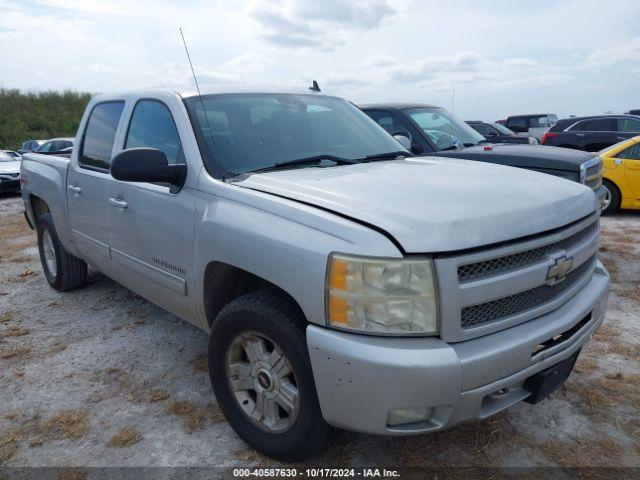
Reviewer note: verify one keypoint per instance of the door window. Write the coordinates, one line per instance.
(518, 122)
(630, 153)
(596, 125)
(629, 125)
(390, 122)
(483, 129)
(97, 143)
(152, 126)
(539, 122)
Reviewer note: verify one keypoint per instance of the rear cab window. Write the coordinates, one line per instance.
(99, 135)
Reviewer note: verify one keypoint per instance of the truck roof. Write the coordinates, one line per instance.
(187, 91)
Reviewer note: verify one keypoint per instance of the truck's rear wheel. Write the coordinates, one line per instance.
(261, 375)
(62, 270)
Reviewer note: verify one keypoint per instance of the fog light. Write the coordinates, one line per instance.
(404, 416)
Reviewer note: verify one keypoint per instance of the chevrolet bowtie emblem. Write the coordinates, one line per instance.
(559, 270)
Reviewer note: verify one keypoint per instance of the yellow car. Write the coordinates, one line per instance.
(621, 175)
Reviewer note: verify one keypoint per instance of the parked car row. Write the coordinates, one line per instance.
(346, 278)
(52, 146)
(430, 130)
(10, 160)
(590, 133)
(9, 172)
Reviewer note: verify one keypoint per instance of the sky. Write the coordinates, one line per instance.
(500, 57)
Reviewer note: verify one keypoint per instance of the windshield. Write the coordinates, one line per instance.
(6, 158)
(444, 130)
(502, 129)
(241, 133)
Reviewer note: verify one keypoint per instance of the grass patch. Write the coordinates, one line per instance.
(200, 363)
(15, 332)
(584, 451)
(158, 396)
(126, 437)
(194, 416)
(13, 351)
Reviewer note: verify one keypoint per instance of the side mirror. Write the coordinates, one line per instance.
(416, 148)
(403, 140)
(147, 165)
(492, 134)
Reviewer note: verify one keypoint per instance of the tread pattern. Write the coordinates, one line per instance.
(286, 310)
(72, 271)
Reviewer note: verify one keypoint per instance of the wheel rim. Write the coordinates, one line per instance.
(607, 198)
(262, 382)
(49, 253)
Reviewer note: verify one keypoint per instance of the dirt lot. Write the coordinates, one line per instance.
(100, 377)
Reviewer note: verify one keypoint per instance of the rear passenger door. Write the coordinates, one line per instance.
(88, 180)
(594, 134)
(152, 225)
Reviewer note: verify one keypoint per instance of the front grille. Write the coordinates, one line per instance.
(507, 263)
(593, 173)
(520, 302)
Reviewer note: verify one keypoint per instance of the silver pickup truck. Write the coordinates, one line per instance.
(343, 282)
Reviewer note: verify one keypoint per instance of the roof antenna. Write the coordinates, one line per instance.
(195, 79)
(315, 87)
(453, 94)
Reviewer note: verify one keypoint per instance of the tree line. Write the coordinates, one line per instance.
(39, 115)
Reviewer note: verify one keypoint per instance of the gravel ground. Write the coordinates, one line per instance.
(101, 377)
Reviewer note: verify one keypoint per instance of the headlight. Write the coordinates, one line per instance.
(385, 296)
(585, 166)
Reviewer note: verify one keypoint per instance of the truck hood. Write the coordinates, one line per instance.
(9, 167)
(524, 156)
(430, 204)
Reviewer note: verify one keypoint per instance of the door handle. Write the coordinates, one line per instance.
(75, 189)
(116, 202)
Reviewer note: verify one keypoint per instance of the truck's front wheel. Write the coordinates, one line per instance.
(62, 270)
(262, 378)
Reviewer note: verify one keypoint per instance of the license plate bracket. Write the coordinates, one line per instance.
(544, 383)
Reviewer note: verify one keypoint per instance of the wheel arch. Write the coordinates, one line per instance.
(223, 283)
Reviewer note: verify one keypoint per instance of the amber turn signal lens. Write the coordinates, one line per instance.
(338, 309)
(338, 280)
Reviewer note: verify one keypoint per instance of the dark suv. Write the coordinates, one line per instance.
(592, 133)
(431, 130)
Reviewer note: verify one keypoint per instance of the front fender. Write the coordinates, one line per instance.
(279, 240)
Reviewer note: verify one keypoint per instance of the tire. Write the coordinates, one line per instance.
(613, 193)
(62, 270)
(272, 318)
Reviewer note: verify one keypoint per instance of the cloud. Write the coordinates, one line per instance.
(100, 68)
(320, 25)
(467, 68)
(610, 56)
(241, 68)
(92, 6)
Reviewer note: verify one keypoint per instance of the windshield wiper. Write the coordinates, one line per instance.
(386, 156)
(312, 159)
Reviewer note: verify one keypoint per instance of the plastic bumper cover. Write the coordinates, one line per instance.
(360, 378)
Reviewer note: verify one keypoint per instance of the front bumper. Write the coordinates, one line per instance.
(600, 193)
(9, 185)
(360, 378)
